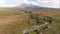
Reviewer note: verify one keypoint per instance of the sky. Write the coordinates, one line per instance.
(43, 3)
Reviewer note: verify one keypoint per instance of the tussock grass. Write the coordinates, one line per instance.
(14, 22)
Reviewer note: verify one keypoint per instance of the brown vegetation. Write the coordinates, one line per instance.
(14, 21)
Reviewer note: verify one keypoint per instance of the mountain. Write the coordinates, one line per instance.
(29, 6)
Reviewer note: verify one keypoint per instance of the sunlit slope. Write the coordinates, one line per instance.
(14, 21)
(8, 16)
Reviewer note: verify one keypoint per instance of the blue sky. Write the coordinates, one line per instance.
(43, 3)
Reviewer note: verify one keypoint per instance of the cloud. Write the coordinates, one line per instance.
(46, 3)
(43, 3)
(49, 3)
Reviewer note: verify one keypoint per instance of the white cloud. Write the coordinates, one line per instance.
(44, 3)
(49, 3)
(9, 3)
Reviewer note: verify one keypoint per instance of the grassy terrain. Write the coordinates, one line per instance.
(15, 21)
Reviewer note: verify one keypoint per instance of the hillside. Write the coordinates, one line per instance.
(14, 21)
